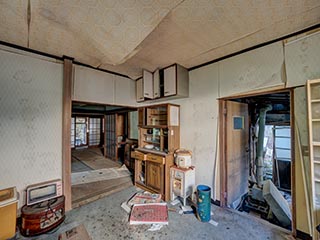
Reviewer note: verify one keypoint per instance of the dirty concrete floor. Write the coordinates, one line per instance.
(105, 219)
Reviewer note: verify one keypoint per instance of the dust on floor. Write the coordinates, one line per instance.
(105, 219)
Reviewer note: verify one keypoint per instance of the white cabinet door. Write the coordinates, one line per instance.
(156, 84)
(170, 83)
(139, 90)
(147, 84)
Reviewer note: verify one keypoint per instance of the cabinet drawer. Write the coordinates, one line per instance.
(155, 158)
(139, 155)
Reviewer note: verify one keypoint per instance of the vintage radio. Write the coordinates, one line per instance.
(42, 217)
(43, 191)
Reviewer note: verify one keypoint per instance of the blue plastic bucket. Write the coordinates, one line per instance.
(204, 203)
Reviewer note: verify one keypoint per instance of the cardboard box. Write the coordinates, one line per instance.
(76, 233)
(8, 212)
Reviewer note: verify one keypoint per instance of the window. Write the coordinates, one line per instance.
(81, 131)
(238, 123)
(72, 131)
(94, 131)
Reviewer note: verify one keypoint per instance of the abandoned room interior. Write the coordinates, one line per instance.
(153, 119)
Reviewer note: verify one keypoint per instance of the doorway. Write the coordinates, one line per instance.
(257, 158)
(100, 141)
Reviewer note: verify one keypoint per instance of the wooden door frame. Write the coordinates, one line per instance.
(66, 130)
(223, 149)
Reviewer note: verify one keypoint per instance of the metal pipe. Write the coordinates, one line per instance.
(259, 157)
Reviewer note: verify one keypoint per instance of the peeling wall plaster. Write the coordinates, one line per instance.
(302, 59)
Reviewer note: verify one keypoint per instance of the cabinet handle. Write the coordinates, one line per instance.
(146, 94)
(141, 98)
(166, 92)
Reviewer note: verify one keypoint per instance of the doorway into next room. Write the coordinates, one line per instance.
(102, 138)
(258, 156)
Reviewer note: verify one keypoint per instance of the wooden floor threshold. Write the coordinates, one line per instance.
(120, 185)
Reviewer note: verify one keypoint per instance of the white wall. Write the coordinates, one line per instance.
(253, 70)
(30, 121)
(199, 119)
(95, 86)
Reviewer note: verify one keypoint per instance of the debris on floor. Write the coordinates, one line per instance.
(186, 210)
(155, 227)
(126, 207)
(75, 233)
(149, 213)
(141, 198)
(144, 197)
(175, 202)
(214, 223)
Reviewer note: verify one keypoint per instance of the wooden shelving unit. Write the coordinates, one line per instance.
(313, 88)
(159, 137)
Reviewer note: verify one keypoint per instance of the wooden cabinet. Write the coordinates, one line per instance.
(155, 176)
(170, 85)
(159, 137)
(176, 81)
(147, 84)
(139, 90)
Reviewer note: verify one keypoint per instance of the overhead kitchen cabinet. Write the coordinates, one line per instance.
(156, 84)
(176, 81)
(172, 81)
(139, 90)
(147, 84)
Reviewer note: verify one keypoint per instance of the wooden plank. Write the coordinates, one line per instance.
(278, 205)
(86, 193)
(223, 146)
(293, 166)
(66, 131)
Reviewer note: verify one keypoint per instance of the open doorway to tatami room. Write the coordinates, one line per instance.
(257, 156)
(102, 137)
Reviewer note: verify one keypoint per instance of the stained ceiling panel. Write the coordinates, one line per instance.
(94, 32)
(13, 22)
(127, 36)
(198, 31)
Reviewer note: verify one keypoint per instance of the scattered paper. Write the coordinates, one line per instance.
(145, 197)
(214, 223)
(175, 202)
(187, 209)
(211, 213)
(125, 207)
(155, 227)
